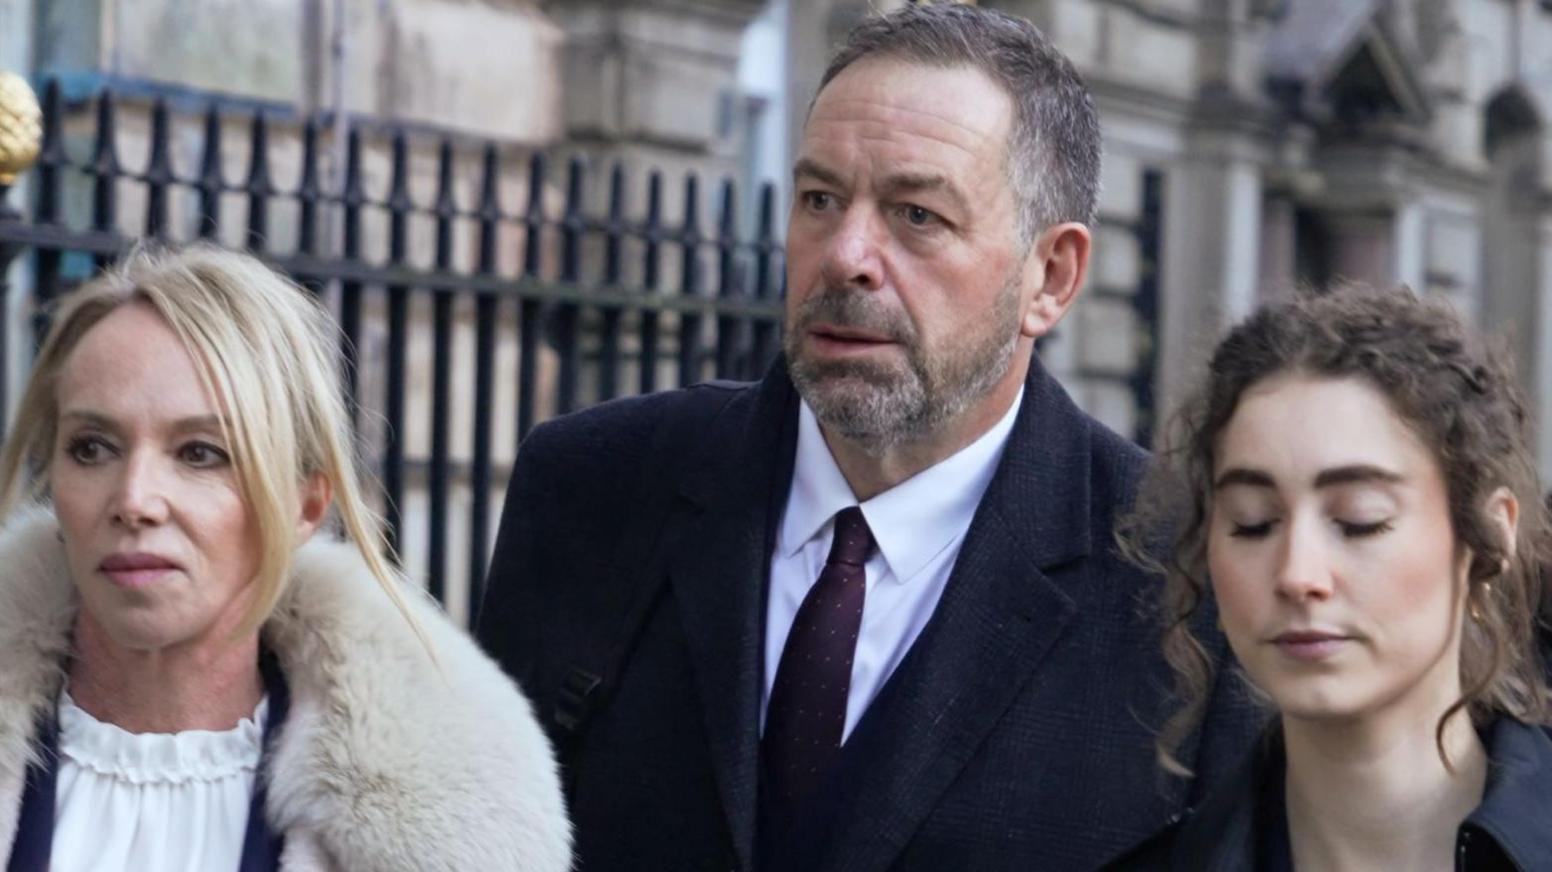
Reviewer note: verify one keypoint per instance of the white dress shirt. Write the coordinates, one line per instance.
(919, 526)
(152, 802)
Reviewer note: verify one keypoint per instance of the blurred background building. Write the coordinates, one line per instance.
(1252, 147)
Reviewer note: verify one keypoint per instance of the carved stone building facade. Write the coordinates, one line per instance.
(1300, 142)
(1305, 141)
(1287, 141)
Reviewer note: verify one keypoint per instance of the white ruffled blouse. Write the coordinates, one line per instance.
(152, 802)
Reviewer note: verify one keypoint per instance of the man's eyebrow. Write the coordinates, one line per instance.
(1357, 473)
(813, 169)
(911, 183)
(893, 186)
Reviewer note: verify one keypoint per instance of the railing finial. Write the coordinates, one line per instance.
(21, 127)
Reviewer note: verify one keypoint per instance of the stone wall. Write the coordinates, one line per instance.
(1270, 186)
(483, 69)
(1264, 187)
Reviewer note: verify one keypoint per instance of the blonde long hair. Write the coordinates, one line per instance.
(267, 353)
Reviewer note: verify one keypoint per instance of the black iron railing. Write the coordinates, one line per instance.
(585, 294)
(1142, 299)
(606, 300)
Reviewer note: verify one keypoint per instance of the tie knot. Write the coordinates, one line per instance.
(853, 540)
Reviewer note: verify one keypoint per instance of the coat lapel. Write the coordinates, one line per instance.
(723, 528)
(999, 615)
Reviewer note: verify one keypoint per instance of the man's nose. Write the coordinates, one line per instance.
(141, 498)
(853, 251)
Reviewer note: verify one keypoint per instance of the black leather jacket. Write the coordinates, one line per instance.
(1242, 825)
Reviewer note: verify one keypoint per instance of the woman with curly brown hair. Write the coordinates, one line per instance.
(1364, 520)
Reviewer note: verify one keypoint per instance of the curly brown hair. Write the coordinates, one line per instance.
(1453, 390)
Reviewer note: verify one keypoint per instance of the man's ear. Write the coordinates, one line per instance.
(317, 493)
(1057, 264)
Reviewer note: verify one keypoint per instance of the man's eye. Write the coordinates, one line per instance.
(202, 454)
(817, 200)
(918, 217)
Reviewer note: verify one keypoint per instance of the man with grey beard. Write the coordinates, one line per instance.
(867, 613)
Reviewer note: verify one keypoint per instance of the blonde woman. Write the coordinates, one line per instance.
(197, 674)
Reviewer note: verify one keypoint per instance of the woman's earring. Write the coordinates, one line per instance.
(1473, 608)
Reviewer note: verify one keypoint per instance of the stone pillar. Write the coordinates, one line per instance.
(1213, 229)
(1529, 52)
(444, 63)
(488, 69)
(1279, 241)
(654, 82)
(1231, 36)
(1362, 245)
(1373, 209)
(1410, 250)
(250, 48)
(1541, 379)
(815, 29)
(1212, 233)
(809, 44)
(16, 31)
(1513, 251)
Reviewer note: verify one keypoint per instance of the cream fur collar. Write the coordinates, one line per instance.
(386, 761)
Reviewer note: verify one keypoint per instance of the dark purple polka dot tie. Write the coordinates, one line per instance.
(806, 715)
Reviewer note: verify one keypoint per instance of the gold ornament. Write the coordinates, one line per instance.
(1487, 593)
(21, 127)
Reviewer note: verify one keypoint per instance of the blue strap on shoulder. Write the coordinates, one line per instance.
(34, 843)
(34, 840)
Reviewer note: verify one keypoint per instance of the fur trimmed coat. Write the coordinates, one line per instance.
(386, 761)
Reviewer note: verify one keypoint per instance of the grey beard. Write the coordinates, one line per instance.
(878, 407)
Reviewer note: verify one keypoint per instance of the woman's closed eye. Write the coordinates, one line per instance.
(1252, 530)
(1348, 529)
(1359, 530)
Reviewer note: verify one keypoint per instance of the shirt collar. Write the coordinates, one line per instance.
(913, 521)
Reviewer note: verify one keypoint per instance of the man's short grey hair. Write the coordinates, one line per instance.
(1054, 145)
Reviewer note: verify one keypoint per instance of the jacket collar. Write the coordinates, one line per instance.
(387, 759)
(998, 617)
(1519, 785)
(1226, 832)
(722, 533)
(1014, 588)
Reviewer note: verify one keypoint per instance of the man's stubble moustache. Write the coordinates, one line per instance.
(879, 404)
